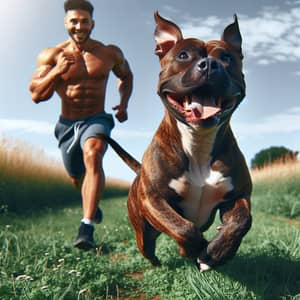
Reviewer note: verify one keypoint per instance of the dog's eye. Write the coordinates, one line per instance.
(183, 55)
(226, 58)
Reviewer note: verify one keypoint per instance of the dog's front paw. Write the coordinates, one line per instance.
(205, 262)
(203, 267)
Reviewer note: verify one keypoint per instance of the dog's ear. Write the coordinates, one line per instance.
(166, 35)
(232, 35)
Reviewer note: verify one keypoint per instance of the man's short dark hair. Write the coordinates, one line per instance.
(79, 4)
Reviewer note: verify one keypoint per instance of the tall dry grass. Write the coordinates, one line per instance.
(279, 170)
(23, 160)
(31, 180)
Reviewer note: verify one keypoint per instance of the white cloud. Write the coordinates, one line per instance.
(31, 126)
(280, 123)
(46, 128)
(271, 36)
(205, 29)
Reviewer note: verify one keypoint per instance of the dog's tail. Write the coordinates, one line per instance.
(132, 163)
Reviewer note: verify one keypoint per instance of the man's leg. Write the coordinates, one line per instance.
(77, 183)
(91, 190)
(94, 180)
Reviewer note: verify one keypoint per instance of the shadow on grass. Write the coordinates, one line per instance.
(269, 277)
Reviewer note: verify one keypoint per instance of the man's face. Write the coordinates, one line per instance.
(79, 25)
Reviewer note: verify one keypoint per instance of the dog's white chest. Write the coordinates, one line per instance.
(201, 188)
(200, 195)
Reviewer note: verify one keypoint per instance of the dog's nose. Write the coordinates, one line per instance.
(207, 65)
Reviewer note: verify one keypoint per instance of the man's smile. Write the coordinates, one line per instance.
(80, 35)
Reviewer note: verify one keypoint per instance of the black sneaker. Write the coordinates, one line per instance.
(98, 216)
(85, 239)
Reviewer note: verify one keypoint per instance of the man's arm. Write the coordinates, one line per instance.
(125, 84)
(48, 72)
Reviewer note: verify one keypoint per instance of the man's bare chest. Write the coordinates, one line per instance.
(87, 66)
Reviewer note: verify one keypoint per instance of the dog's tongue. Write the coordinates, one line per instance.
(202, 111)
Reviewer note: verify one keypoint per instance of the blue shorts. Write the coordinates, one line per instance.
(72, 134)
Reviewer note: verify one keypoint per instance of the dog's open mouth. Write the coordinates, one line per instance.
(195, 108)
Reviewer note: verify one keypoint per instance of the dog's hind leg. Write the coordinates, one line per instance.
(146, 235)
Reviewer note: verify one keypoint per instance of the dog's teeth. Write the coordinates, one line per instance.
(196, 107)
(186, 104)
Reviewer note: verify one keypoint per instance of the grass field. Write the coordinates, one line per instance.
(38, 261)
(277, 189)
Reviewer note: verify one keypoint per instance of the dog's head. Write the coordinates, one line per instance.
(201, 83)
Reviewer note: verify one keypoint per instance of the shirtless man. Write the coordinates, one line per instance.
(78, 70)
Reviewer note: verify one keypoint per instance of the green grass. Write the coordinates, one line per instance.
(277, 189)
(281, 197)
(37, 261)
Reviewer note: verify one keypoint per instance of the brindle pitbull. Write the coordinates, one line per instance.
(193, 165)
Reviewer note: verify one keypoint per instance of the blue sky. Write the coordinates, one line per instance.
(268, 116)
